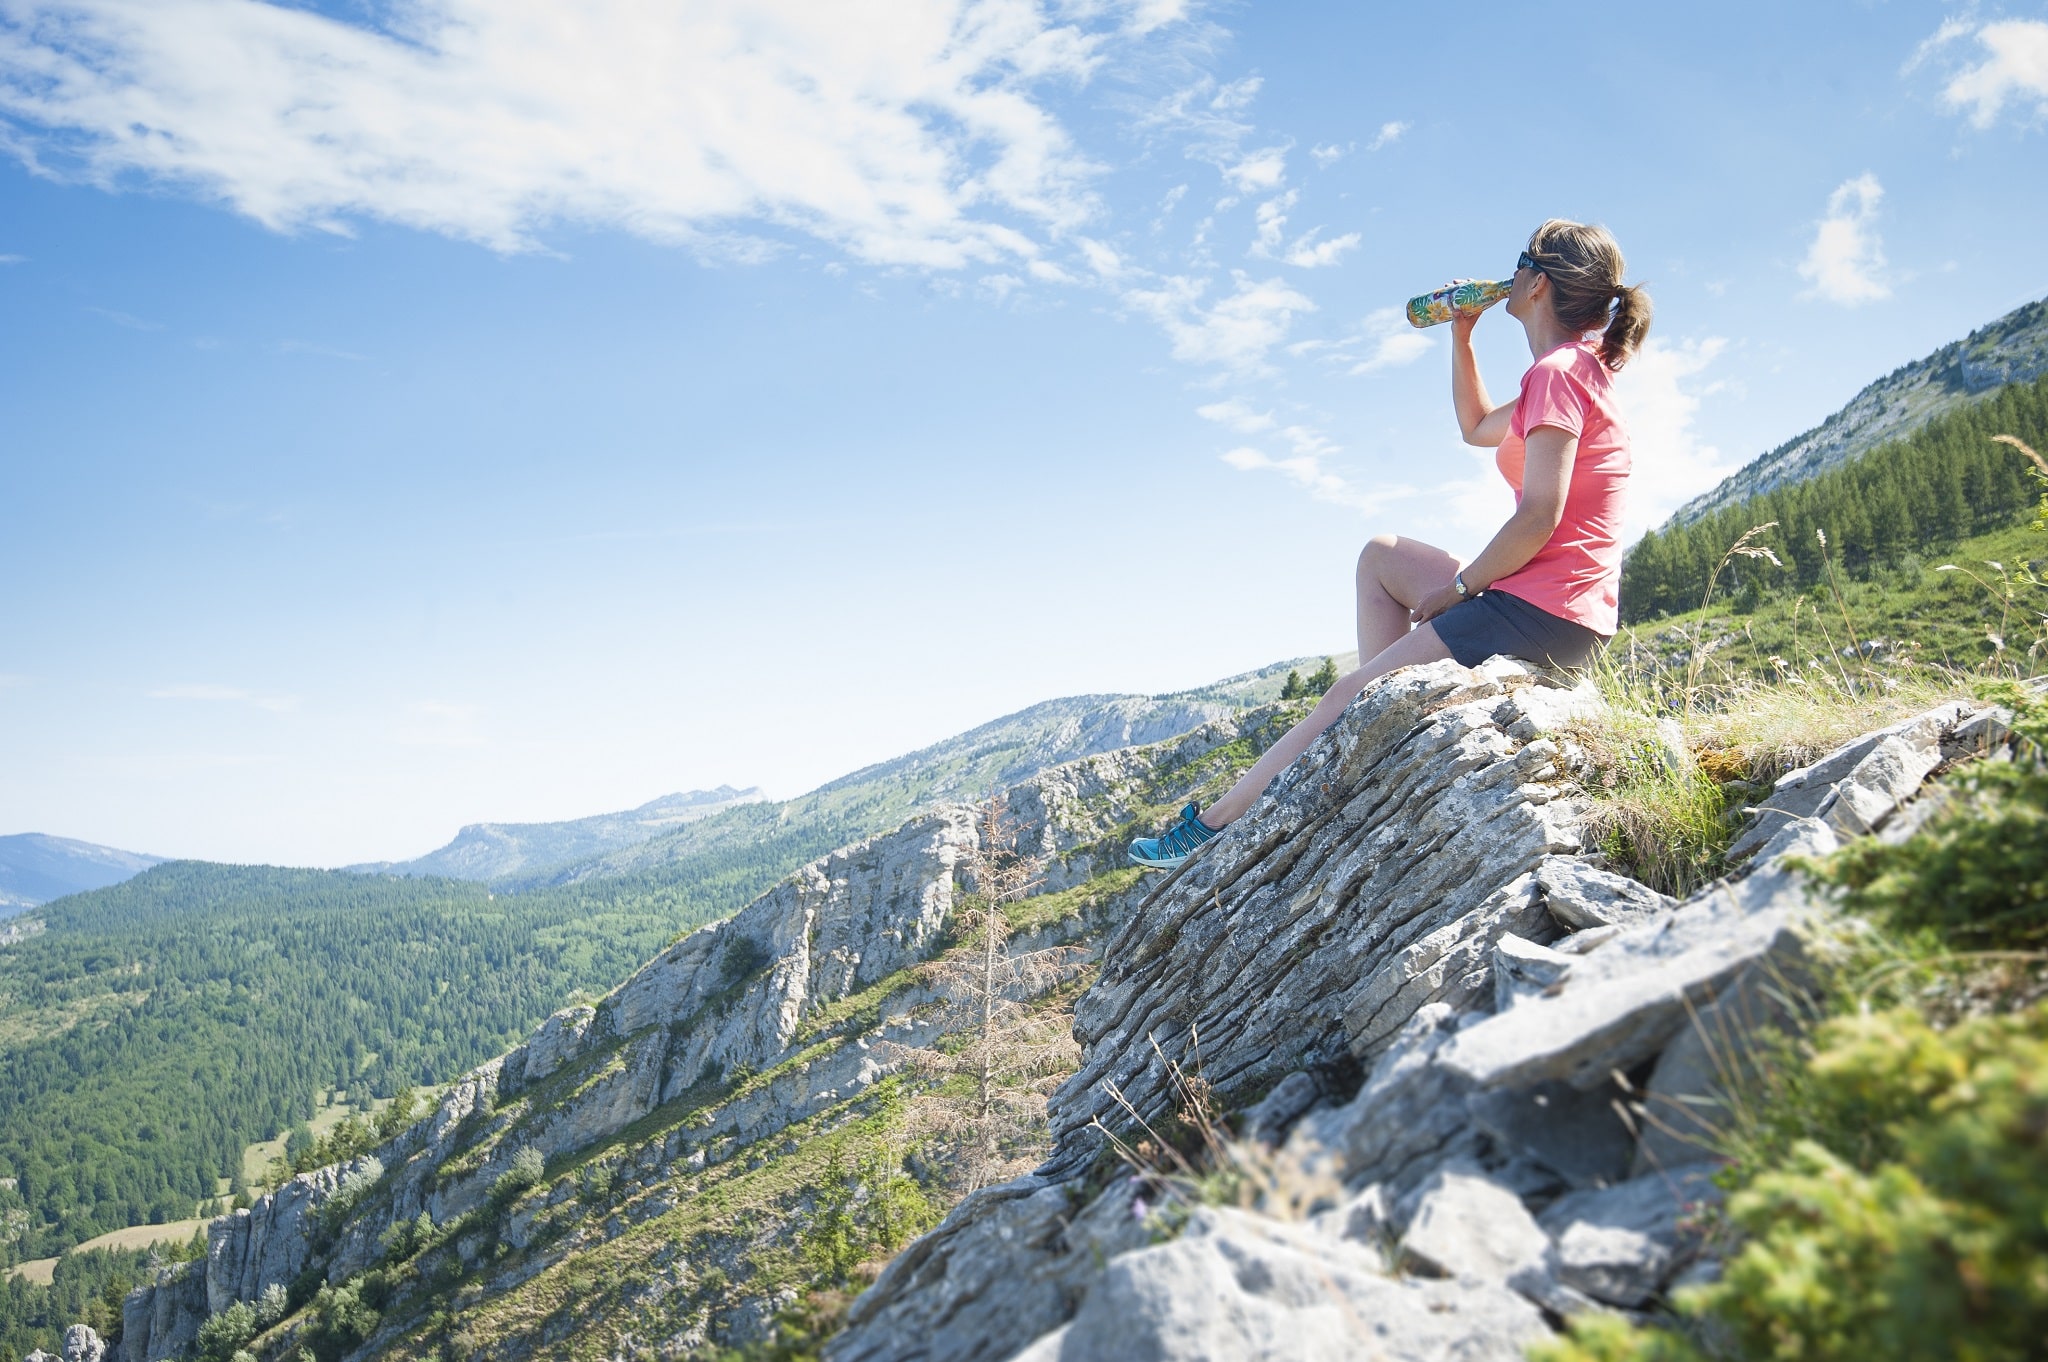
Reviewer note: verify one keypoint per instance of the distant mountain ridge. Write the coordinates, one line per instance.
(2013, 349)
(962, 768)
(494, 851)
(36, 868)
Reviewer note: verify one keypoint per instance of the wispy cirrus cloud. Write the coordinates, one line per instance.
(1388, 134)
(1239, 415)
(1845, 263)
(1307, 465)
(1306, 252)
(227, 695)
(126, 320)
(902, 134)
(1389, 341)
(1236, 332)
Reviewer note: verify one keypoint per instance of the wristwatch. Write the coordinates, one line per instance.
(1458, 581)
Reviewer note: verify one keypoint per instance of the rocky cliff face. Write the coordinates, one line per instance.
(719, 1056)
(1486, 1056)
(1468, 1063)
(2013, 349)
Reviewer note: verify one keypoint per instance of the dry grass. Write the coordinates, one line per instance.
(1670, 773)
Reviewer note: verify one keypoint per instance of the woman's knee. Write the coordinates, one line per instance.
(1376, 555)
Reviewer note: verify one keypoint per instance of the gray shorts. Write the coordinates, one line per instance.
(1496, 622)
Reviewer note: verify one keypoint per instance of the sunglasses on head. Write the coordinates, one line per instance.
(1526, 261)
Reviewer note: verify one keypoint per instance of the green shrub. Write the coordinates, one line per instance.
(345, 1316)
(528, 1167)
(223, 1335)
(403, 1238)
(1934, 1244)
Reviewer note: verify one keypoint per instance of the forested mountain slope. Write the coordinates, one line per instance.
(496, 851)
(156, 1028)
(1901, 502)
(35, 868)
(2013, 349)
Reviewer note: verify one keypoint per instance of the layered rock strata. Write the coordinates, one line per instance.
(1492, 1064)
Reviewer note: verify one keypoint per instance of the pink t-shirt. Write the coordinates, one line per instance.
(1575, 574)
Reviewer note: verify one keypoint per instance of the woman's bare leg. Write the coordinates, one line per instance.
(1393, 574)
(1419, 645)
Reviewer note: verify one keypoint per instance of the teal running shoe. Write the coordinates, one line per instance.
(1170, 848)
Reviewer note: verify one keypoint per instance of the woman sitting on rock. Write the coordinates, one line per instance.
(1544, 587)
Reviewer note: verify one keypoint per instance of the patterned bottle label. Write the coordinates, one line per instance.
(1472, 297)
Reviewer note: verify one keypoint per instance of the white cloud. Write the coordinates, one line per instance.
(1394, 342)
(1845, 263)
(1238, 95)
(1257, 171)
(1238, 414)
(2014, 69)
(1102, 259)
(1659, 400)
(1234, 334)
(1270, 227)
(1306, 466)
(1147, 15)
(227, 695)
(12, 259)
(1307, 253)
(1389, 134)
(1269, 222)
(1329, 153)
(903, 134)
(1000, 286)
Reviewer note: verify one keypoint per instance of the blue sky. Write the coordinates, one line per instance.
(421, 413)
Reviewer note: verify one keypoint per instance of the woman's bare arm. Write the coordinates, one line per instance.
(1546, 477)
(1479, 421)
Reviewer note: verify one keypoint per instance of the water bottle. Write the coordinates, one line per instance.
(1472, 297)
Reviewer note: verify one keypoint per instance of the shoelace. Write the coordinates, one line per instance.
(1181, 838)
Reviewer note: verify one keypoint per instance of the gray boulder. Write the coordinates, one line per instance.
(1578, 1134)
(1469, 1227)
(1581, 895)
(1242, 1288)
(1621, 1244)
(1859, 785)
(1621, 1004)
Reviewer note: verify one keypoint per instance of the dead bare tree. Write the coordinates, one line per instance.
(1007, 1039)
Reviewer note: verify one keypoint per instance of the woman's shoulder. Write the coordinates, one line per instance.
(1577, 361)
(1580, 358)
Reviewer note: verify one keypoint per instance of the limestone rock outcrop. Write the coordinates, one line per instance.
(1404, 970)
(1464, 1043)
